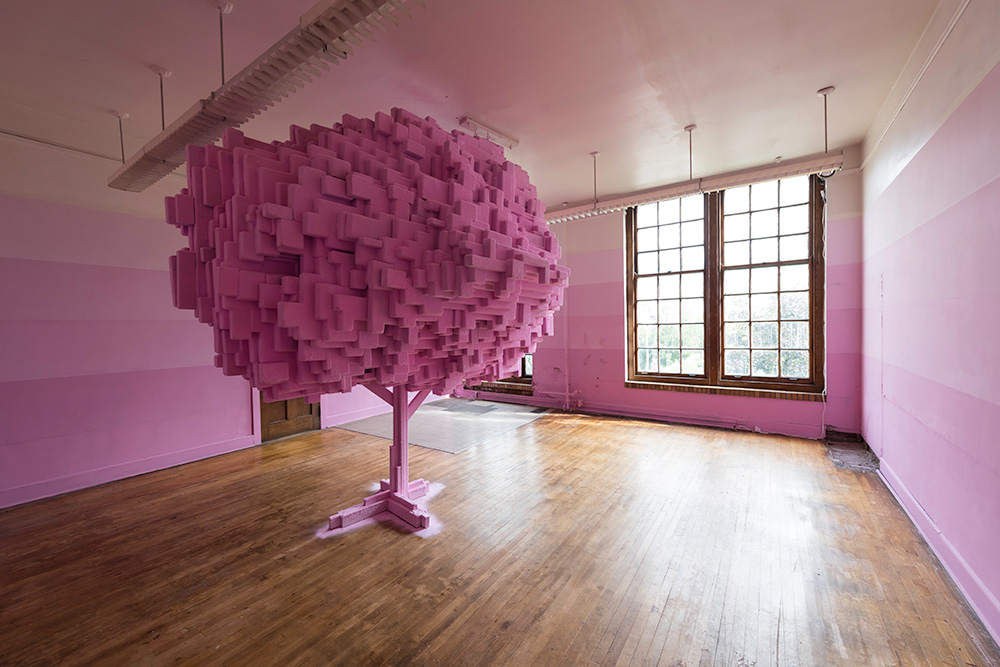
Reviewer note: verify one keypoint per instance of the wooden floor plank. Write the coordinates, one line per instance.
(572, 540)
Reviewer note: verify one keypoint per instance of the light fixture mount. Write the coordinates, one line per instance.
(481, 129)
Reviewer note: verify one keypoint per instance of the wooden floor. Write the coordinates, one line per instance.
(573, 540)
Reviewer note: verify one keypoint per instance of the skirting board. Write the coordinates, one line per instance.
(81, 480)
(811, 431)
(983, 602)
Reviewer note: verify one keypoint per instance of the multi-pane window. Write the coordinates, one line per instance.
(670, 289)
(725, 288)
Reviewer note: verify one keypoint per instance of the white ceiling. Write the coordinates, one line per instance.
(566, 77)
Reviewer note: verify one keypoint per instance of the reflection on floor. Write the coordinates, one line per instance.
(452, 424)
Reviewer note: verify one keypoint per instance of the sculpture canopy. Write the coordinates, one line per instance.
(385, 252)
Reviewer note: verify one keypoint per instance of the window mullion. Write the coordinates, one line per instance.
(713, 287)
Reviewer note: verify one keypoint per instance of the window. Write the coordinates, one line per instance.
(527, 365)
(519, 383)
(725, 289)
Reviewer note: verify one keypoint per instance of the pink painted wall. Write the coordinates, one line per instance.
(931, 344)
(589, 345)
(100, 376)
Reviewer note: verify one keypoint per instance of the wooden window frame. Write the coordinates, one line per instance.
(713, 380)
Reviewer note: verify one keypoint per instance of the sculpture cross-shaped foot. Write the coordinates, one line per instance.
(398, 493)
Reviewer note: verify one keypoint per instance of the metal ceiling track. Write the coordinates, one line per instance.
(326, 34)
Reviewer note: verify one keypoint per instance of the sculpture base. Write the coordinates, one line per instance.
(386, 501)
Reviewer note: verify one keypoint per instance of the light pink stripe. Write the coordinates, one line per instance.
(40, 349)
(35, 290)
(33, 229)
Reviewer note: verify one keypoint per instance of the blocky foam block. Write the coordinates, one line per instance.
(385, 251)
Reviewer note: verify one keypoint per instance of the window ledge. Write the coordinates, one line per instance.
(520, 388)
(729, 391)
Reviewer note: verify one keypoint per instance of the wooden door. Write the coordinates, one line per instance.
(283, 418)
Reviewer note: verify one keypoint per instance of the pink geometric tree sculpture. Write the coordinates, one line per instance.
(386, 253)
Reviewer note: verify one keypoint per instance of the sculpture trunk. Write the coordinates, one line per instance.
(397, 493)
(399, 452)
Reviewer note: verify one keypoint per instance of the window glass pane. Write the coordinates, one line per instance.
(645, 312)
(764, 307)
(764, 363)
(645, 263)
(670, 260)
(692, 362)
(737, 200)
(645, 240)
(795, 305)
(764, 250)
(670, 287)
(764, 223)
(693, 207)
(764, 335)
(645, 288)
(737, 334)
(736, 227)
(670, 211)
(795, 335)
(736, 308)
(646, 333)
(693, 233)
(794, 277)
(763, 195)
(692, 284)
(670, 236)
(693, 335)
(670, 335)
(737, 281)
(670, 361)
(646, 216)
(794, 247)
(794, 364)
(670, 311)
(692, 310)
(737, 253)
(764, 279)
(693, 259)
(737, 362)
(795, 220)
(646, 361)
(795, 190)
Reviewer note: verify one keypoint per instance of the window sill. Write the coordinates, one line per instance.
(519, 387)
(782, 394)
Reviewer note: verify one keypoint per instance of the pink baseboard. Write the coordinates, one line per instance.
(52, 487)
(983, 602)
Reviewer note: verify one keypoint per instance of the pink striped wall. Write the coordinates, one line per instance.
(589, 345)
(931, 343)
(100, 376)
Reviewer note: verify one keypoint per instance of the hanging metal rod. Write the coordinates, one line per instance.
(595, 155)
(689, 129)
(121, 132)
(163, 73)
(824, 93)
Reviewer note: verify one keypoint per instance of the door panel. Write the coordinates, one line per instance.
(284, 418)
